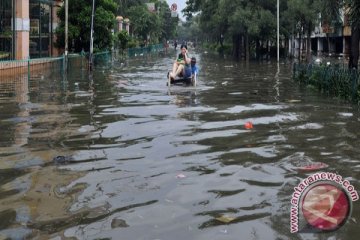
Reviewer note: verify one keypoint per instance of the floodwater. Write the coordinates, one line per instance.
(118, 155)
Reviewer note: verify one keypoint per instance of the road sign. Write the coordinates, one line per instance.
(174, 14)
(173, 7)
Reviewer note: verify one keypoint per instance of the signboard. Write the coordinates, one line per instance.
(173, 7)
(174, 14)
(174, 10)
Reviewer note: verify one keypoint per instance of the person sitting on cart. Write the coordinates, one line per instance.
(181, 66)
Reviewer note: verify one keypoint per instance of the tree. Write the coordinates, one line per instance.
(190, 30)
(242, 22)
(145, 24)
(79, 25)
(192, 6)
(124, 6)
(123, 39)
(305, 15)
(168, 24)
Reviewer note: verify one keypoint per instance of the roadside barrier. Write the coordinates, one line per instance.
(140, 51)
(19, 70)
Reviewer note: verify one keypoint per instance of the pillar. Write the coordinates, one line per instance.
(22, 29)
(127, 25)
(320, 46)
(55, 23)
(119, 19)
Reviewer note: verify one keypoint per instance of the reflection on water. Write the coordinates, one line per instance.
(117, 153)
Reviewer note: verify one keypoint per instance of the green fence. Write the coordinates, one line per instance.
(334, 80)
(140, 51)
(11, 70)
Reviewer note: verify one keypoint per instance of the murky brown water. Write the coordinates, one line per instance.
(118, 155)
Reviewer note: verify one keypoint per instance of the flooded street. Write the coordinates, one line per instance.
(119, 155)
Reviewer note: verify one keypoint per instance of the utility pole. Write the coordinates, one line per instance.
(66, 32)
(278, 30)
(92, 36)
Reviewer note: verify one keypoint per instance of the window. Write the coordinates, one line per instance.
(40, 28)
(6, 31)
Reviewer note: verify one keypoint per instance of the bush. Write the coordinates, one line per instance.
(225, 49)
(332, 80)
(133, 43)
(123, 39)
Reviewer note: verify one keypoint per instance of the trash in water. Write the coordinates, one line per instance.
(225, 218)
(62, 159)
(315, 166)
(225, 231)
(248, 125)
(180, 175)
(118, 223)
(293, 101)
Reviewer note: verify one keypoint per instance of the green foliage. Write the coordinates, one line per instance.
(124, 6)
(123, 39)
(190, 31)
(158, 25)
(331, 80)
(224, 49)
(303, 15)
(354, 11)
(80, 21)
(210, 46)
(133, 43)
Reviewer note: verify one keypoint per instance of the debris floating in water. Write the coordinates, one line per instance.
(314, 166)
(180, 175)
(293, 100)
(62, 159)
(248, 125)
(225, 218)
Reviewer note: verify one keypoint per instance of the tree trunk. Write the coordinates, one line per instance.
(308, 45)
(300, 47)
(247, 47)
(258, 49)
(354, 50)
(236, 46)
(286, 47)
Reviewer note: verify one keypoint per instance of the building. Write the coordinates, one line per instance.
(325, 40)
(27, 28)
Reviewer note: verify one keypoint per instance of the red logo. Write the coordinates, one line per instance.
(173, 7)
(326, 207)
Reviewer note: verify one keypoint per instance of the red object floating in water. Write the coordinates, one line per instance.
(248, 125)
(313, 167)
